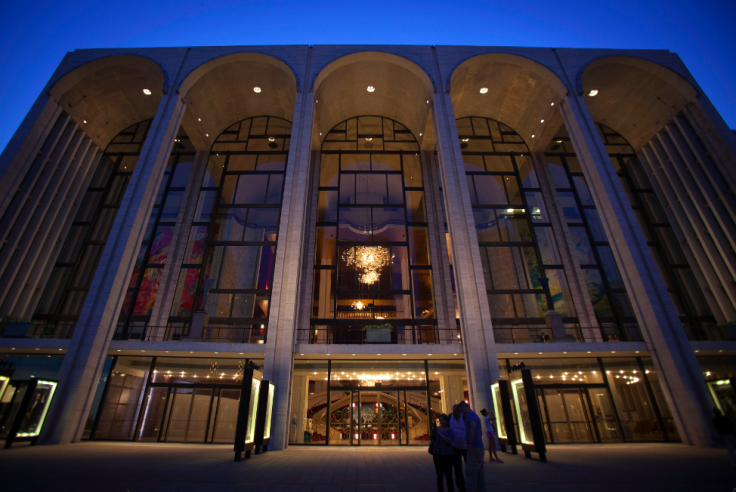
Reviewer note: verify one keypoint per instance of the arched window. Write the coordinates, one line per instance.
(676, 273)
(518, 248)
(75, 267)
(229, 259)
(373, 274)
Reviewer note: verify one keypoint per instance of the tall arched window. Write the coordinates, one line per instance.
(229, 259)
(75, 267)
(676, 273)
(517, 245)
(373, 275)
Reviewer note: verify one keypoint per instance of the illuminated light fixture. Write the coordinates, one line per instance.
(207, 134)
(427, 101)
(593, 92)
(559, 141)
(257, 90)
(510, 211)
(542, 121)
(368, 139)
(552, 104)
(358, 305)
(483, 90)
(147, 92)
(85, 122)
(271, 139)
(420, 134)
(533, 136)
(199, 119)
(466, 140)
(371, 88)
(368, 259)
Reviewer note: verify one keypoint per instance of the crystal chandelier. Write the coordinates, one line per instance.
(369, 259)
(358, 305)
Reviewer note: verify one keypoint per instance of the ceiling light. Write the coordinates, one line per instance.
(427, 101)
(371, 88)
(420, 134)
(483, 90)
(559, 141)
(85, 122)
(206, 134)
(510, 210)
(542, 121)
(257, 90)
(552, 104)
(466, 140)
(533, 136)
(147, 92)
(271, 139)
(593, 92)
(369, 139)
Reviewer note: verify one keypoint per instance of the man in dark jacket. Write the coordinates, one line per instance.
(728, 432)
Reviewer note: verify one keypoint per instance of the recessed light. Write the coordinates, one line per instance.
(466, 140)
(637, 351)
(613, 351)
(516, 353)
(376, 354)
(217, 352)
(420, 134)
(241, 353)
(427, 101)
(352, 354)
(271, 139)
(593, 92)
(147, 92)
(118, 350)
(552, 104)
(206, 134)
(199, 119)
(257, 90)
(142, 350)
(559, 141)
(369, 139)
(429, 355)
(85, 122)
(697, 351)
(542, 121)
(403, 354)
(533, 136)
(540, 353)
(371, 88)
(588, 351)
(483, 90)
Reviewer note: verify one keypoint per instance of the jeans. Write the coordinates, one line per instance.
(475, 478)
(443, 468)
(457, 462)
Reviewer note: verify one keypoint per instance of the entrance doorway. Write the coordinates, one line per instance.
(580, 414)
(187, 414)
(370, 417)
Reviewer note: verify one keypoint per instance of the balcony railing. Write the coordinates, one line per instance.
(395, 335)
(182, 332)
(37, 329)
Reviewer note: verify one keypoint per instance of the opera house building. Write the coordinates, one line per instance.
(384, 231)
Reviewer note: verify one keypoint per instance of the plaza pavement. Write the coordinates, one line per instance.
(134, 467)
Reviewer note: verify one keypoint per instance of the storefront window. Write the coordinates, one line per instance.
(664, 410)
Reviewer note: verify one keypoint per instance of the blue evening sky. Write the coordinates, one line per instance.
(35, 35)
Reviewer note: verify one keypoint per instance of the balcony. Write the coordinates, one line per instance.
(37, 329)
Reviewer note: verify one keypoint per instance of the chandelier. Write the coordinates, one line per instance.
(369, 259)
(358, 305)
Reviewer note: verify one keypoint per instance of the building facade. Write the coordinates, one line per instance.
(386, 230)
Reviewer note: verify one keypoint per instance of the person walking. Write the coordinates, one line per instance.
(490, 421)
(441, 448)
(475, 478)
(727, 429)
(459, 446)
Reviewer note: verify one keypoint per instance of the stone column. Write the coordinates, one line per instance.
(566, 247)
(479, 347)
(673, 358)
(87, 350)
(293, 232)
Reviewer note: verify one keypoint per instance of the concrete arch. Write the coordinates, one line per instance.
(107, 93)
(220, 93)
(636, 97)
(521, 93)
(402, 92)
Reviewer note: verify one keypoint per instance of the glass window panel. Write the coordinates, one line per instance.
(186, 288)
(643, 225)
(395, 189)
(88, 207)
(262, 224)
(181, 173)
(258, 126)
(329, 164)
(104, 223)
(595, 224)
(170, 210)
(583, 191)
(530, 305)
(213, 173)
(204, 206)
(536, 206)
(117, 189)
(560, 292)
(128, 162)
(147, 291)
(370, 125)
(627, 189)
(325, 245)
(275, 185)
(502, 306)
(323, 294)
(399, 268)
(583, 249)
(229, 224)
(471, 189)
(480, 127)
(486, 224)
(236, 267)
(670, 245)
(415, 211)
(573, 164)
(499, 163)
(103, 172)
(637, 173)
(490, 190)
(370, 189)
(514, 226)
(347, 188)
(474, 163)
(513, 191)
(547, 246)
(569, 207)
(419, 245)
(529, 267)
(73, 244)
(386, 162)
(218, 305)
(503, 268)
(355, 162)
(654, 211)
(355, 224)
(464, 127)
(609, 266)
(251, 189)
(265, 270)
(277, 126)
(412, 170)
(689, 288)
(241, 162)
(527, 172)
(389, 224)
(327, 209)
(597, 292)
(271, 162)
(557, 169)
(227, 191)
(86, 268)
(160, 244)
(423, 297)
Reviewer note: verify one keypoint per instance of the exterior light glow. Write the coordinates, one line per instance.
(207, 134)
(593, 92)
(147, 92)
(483, 90)
(420, 134)
(466, 140)
(552, 104)
(371, 88)
(510, 211)
(533, 136)
(271, 139)
(542, 121)
(85, 122)
(199, 119)
(257, 90)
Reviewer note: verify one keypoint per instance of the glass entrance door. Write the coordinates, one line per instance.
(566, 418)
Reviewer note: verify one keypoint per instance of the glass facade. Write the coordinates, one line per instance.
(370, 402)
(75, 267)
(372, 268)
(227, 270)
(518, 248)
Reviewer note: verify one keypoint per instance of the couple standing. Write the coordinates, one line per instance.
(458, 438)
